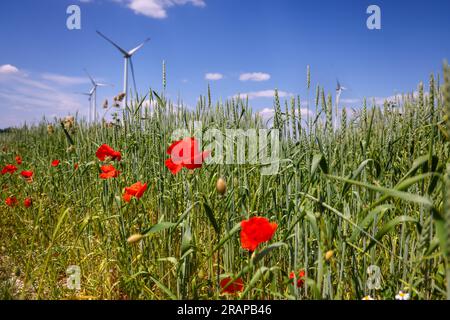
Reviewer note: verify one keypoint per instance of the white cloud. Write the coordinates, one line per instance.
(213, 76)
(269, 112)
(8, 69)
(28, 98)
(263, 94)
(350, 101)
(379, 100)
(255, 76)
(64, 80)
(158, 8)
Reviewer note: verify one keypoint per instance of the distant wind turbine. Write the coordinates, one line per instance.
(127, 60)
(339, 90)
(89, 94)
(93, 97)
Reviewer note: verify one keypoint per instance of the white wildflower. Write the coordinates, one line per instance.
(402, 296)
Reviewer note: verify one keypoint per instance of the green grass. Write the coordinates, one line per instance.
(369, 186)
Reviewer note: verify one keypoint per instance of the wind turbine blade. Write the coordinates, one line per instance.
(115, 45)
(104, 85)
(132, 74)
(90, 78)
(133, 51)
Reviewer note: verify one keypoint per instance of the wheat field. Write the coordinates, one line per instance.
(360, 203)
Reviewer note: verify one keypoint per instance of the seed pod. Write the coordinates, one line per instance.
(119, 97)
(135, 238)
(329, 255)
(221, 186)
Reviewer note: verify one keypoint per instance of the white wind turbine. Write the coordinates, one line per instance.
(339, 90)
(93, 97)
(127, 60)
(89, 94)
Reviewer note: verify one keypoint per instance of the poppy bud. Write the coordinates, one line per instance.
(221, 186)
(120, 97)
(135, 238)
(329, 255)
(201, 274)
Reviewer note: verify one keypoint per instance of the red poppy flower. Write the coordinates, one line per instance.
(28, 175)
(185, 153)
(300, 277)
(255, 231)
(136, 190)
(235, 286)
(18, 160)
(27, 202)
(75, 166)
(9, 168)
(108, 172)
(105, 151)
(55, 163)
(11, 201)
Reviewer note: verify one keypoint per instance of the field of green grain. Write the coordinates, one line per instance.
(360, 196)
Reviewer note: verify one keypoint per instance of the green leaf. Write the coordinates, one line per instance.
(160, 101)
(318, 160)
(164, 288)
(367, 221)
(210, 215)
(186, 241)
(390, 192)
(441, 231)
(355, 174)
(158, 227)
(266, 251)
(254, 280)
(389, 227)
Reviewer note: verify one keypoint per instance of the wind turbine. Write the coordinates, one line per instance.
(93, 96)
(339, 90)
(89, 94)
(127, 60)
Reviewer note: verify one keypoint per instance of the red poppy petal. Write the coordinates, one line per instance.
(174, 168)
(126, 197)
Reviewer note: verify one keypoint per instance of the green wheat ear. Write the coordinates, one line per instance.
(164, 75)
(277, 117)
(308, 77)
(294, 120)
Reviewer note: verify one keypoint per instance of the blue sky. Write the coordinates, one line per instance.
(41, 61)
